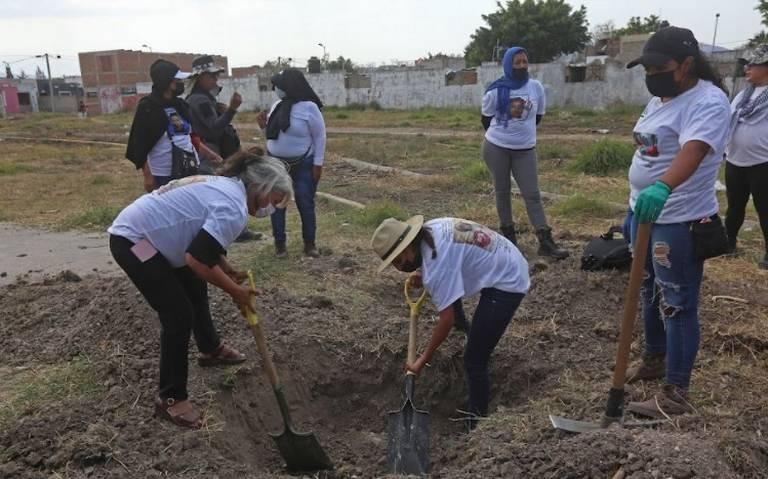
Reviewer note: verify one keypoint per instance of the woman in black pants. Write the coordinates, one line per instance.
(746, 168)
(172, 242)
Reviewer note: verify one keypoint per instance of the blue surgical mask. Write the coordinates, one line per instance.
(265, 211)
(280, 93)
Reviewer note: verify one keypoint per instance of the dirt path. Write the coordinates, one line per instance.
(35, 253)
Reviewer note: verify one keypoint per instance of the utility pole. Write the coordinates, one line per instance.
(50, 79)
(714, 36)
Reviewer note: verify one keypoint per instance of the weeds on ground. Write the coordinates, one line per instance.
(15, 168)
(604, 158)
(476, 172)
(28, 389)
(376, 212)
(99, 217)
(579, 206)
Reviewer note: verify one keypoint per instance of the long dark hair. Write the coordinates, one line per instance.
(426, 236)
(703, 70)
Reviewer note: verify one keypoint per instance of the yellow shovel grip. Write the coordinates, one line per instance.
(414, 305)
(250, 313)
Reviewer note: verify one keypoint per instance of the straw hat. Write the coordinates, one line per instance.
(393, 236)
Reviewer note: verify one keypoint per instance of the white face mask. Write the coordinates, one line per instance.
(265, 211)
(280, 93)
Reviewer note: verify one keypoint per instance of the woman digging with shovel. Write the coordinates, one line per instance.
(172, 242)
(453, 258)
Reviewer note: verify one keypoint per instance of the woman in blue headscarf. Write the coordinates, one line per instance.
(512, 107)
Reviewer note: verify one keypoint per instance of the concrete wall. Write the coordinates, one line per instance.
(403, 89)
(63, 104)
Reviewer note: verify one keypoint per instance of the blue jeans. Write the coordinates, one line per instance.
(491, 318)
(670, 297)
(304, 188)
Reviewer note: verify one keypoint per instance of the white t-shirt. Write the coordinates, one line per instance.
(749, 136)
(470, 257)
(306, 133)
(178, 131)
(524, 104)
(701, 113)
(171, 216)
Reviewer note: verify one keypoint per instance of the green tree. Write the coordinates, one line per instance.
(650, 24)
(546, 28)
(341, 63)
(762, 37)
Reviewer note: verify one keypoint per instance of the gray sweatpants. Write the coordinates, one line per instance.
(522, 164)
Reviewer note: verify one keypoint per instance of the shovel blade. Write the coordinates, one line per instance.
(301, 451)
(571, 425)
(408, 441)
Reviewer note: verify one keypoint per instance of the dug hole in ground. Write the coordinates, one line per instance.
(341, 362)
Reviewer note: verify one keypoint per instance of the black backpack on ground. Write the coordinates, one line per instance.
(606, 251)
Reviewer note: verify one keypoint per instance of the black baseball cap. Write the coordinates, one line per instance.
(163, 72)
(669, 43)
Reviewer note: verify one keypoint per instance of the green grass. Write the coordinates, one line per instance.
(101, 179)
(603, 158)
(28, 389)
(549, 151)
(376, 212)
(15, 168)
(98, 217)
(476, 172)
(580, 206)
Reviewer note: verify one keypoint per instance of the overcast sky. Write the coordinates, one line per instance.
(253, 31)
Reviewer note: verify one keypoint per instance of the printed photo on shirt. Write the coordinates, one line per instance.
(172, 185)
(520, 107)
(177, 125)
(647, 144)
(468, 232)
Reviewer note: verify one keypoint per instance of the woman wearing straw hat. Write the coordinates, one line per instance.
(453, 258)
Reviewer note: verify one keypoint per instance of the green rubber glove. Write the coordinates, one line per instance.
(650, 202)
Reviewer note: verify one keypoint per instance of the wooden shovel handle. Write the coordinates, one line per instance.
(631, 299)
(261, 342)
(415, 307)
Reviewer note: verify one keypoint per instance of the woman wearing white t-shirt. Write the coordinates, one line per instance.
(746, 167)
(680, 139)
(295, 132)
(172, 242)
(512, 107)
(458, 258)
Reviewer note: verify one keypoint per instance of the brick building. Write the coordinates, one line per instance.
(114, 80)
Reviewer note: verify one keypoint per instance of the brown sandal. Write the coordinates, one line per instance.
(181, 413)
(223, 356)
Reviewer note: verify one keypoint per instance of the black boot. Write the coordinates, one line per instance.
(280, 250)
(509, 233)
(310, 249)
(731, 248)
(547, 245)
(764, 263)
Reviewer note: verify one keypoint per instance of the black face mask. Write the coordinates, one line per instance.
(662, 85)
(520, 73)
(411, 266)
(178, 90)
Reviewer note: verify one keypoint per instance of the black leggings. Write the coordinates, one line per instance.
(181, 301)
(740, 182)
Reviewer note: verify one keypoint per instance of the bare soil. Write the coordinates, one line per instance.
(342, 372)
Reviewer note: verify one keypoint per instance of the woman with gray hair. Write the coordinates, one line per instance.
(172, 242)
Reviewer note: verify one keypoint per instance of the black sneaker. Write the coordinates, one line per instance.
(248, 235)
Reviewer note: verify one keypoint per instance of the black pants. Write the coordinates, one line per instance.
(740, 182)
(181, 301)
(491, 318)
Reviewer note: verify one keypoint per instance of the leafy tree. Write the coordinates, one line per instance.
(650, 24)
(762, 37)
(604, 30)
(341, 63)
(546, 28)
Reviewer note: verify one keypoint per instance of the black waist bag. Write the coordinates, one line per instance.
(709, 238)
(606, 251)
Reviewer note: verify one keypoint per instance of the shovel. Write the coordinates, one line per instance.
(408, 442)
(300, 450)
(614, 410)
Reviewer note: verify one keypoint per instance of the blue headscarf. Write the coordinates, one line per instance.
(506, 83)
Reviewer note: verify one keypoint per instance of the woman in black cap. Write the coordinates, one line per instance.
(680, 140)
(746, 168)
(162, 143)
(295, 132)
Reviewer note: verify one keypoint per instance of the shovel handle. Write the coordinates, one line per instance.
(415, 307)
(639, 255)
(261, 342)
